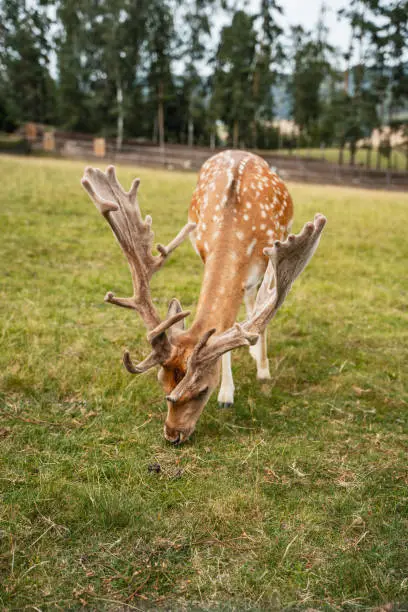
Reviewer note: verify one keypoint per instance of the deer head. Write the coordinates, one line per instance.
(189, 366)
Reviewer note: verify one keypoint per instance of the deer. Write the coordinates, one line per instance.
(238, 222)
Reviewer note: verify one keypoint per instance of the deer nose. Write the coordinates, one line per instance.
(172, 435)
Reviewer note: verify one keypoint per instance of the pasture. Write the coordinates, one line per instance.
(331, 154)
(294, 498)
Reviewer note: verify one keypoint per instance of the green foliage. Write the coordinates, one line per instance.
(73, 91)
(380, 34)
(311, 68)
(295, 498)
(27, 90)
(153, 69)
(234, 64)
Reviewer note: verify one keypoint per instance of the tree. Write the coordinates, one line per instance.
(72, 59)
(310, 69)
(24, 52)
(233, 74)
(116, 38)
(161, 50)
(387, 32)
(268, 62)
(196, 17)
(378, 47)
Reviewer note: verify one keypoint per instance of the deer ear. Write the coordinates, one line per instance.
(175, 308)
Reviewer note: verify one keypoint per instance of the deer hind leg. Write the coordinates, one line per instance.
(226, 393)
(260, 350)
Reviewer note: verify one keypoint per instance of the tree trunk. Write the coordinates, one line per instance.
(235, 134)
(352, 153)
(212, 139)
(190, 132)
(254, 134)
(160, 114)
(154, 135)
(120, 119)
(341, 150)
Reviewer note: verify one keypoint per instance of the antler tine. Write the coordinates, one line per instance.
(183, 233)
(133, 190)
(135, 237)
(233, 338)
(104, 206)
(150, 361)
(201, 344)
(169, 322)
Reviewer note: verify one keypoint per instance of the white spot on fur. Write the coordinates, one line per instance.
(239, 235)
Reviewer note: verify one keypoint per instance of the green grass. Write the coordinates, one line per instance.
(398, 161)
(296, 498)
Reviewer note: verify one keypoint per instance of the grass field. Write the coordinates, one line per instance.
(331, 154)
(295, 498)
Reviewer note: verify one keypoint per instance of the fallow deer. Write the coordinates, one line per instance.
(239, 220)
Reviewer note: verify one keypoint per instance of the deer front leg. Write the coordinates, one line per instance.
(226, 393)
(259, 351)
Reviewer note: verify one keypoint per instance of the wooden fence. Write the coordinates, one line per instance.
(180, 157)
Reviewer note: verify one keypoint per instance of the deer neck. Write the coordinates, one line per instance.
(222, 288)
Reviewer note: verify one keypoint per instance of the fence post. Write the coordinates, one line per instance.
(99, 147)
(30, 131)
(49, 141)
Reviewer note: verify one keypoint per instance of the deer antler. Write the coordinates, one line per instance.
(135, 236)
(286, 261)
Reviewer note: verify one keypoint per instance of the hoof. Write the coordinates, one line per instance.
(263, 374)
(225, 404)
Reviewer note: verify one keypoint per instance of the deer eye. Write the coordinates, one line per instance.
(178, 375)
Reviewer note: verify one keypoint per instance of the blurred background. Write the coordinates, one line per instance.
(321, 80)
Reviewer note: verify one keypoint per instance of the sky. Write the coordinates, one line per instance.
(305, 13)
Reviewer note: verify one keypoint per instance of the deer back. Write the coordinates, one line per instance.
(240, 207)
